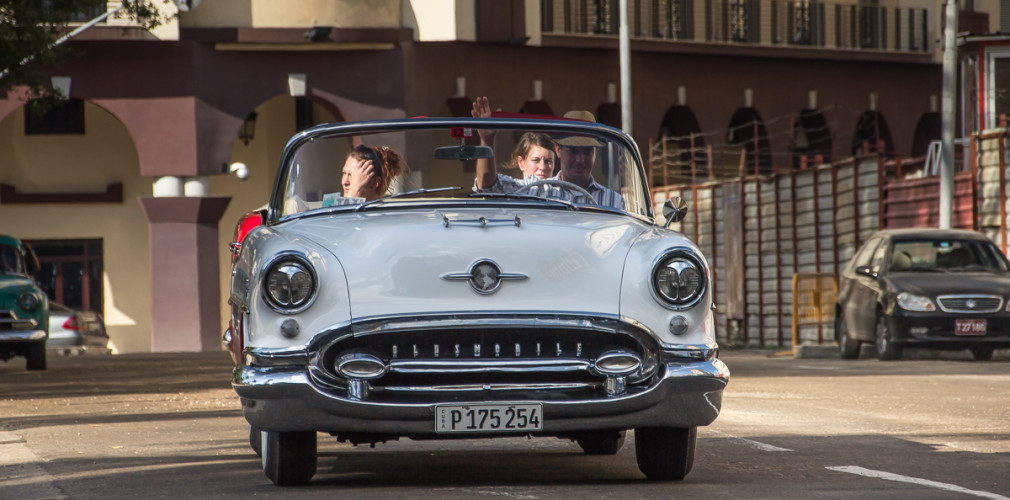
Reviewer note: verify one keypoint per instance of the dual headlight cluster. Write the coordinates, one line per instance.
(290, 284)
(679, 279)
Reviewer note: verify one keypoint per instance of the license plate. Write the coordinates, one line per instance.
(969, 327)
(489, 418)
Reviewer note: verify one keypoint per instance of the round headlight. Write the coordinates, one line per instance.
(28, 301)
(679, 279)
(289, 285)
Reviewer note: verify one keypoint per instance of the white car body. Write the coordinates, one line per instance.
(399, 333)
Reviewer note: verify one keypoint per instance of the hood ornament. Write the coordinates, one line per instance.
(485, 276)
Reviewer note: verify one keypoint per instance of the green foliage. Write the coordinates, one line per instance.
(30, 28)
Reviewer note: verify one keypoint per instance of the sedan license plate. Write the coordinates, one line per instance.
(489, 418)
(969, 327)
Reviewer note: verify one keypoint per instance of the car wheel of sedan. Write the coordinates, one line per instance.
(665, 453)
(886, 349)
(256, 440)
(289, 458)
(36, 355)
(848, 347)
(982, 353)
(602, 442)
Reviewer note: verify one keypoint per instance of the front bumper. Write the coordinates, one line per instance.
(686, 394)
(937, 330)
(22, 336)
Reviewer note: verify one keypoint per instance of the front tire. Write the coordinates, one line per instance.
(887, 350)
(602, 442)
(665, 453)
(848, 347)
(36, 354)
(289, 458)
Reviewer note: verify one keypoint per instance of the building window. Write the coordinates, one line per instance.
(71, 272)
(997, 83)
(60, 118)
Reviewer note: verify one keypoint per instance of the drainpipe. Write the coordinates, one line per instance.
(624, 47)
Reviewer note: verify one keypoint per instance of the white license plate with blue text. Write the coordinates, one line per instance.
(489, 418)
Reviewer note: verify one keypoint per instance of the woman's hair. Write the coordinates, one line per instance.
(388, 163)
(526, 143)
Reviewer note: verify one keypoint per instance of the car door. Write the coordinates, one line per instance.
(853, 288)
(866, 294)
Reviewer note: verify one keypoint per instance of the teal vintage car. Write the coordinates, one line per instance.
(24, 308)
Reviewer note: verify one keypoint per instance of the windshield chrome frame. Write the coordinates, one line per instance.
(327, 130)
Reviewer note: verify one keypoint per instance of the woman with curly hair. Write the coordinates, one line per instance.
(368, 171)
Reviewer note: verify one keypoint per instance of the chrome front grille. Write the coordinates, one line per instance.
(970, 304)
(488, 363)
(9, 321)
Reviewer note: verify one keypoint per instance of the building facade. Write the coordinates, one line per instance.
(128, 191)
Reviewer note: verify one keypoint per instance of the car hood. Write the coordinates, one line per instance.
(560, 261)
(932, 284)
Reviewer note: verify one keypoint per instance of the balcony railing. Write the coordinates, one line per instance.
(797, 23)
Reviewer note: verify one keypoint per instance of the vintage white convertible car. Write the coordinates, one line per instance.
(454, 309)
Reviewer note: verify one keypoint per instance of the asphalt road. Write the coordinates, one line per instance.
(169, 425)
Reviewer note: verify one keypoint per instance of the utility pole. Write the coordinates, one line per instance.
(947, 111)
(624, 48)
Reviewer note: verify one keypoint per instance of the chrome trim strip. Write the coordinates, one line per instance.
(482, 222)
(490, 387)
(967, 297)
(489, 365)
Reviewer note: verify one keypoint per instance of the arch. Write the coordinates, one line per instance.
(928, 129)
(872, 135)
(681, 133)
(811, 137)
(745, 124)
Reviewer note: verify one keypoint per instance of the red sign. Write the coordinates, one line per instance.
(969, 327)
(462, 132)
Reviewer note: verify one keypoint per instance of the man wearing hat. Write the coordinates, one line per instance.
(576, 155)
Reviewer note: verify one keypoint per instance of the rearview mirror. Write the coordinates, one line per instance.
(675, 209)
(463, 152)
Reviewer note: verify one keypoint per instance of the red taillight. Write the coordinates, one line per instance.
(71, 323)
(246, 223)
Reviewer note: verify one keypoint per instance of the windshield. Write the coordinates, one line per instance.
(947, 256)
(10, 260)
(381, 165)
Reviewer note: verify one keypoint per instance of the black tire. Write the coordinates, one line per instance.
(289, 458)
(602, 442)
(36, 355)
(982, 353)
(848, 347)
(665, 453)
(886, 348)
(256, 441)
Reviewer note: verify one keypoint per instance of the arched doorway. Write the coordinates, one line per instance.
(872, 135)
(811, 139)
(748, 138)
(681, 154)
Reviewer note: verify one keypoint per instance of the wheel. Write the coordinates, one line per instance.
(665, 453)
(36, 354)
(886, 349)
(561, 184)
(256, 440)
(602, 442)
(289, 458)
(848, 347)
(982, 353)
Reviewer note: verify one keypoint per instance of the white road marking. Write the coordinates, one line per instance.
(859, 471)
(757, 445)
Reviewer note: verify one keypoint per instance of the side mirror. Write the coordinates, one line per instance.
(32, 266)
(865, 271)
(675, 209)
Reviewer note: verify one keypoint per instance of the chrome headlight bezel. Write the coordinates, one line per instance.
(292, 266)
(680, 260)
(29, 301)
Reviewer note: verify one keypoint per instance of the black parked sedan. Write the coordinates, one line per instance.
(936, 288)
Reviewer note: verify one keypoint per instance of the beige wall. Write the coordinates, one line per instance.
(36, 164)
(293, 14)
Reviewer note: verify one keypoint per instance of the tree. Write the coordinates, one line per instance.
(30, 33)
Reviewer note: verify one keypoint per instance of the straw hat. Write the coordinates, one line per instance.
(579, 140)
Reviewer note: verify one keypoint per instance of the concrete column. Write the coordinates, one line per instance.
(185, 292)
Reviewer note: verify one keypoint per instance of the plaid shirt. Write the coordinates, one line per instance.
(604, 196)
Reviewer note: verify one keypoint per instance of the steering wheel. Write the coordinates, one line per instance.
(568, 186)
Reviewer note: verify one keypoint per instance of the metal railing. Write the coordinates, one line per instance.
(797, 23)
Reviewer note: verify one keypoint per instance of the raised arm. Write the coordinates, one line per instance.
(487, 173)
